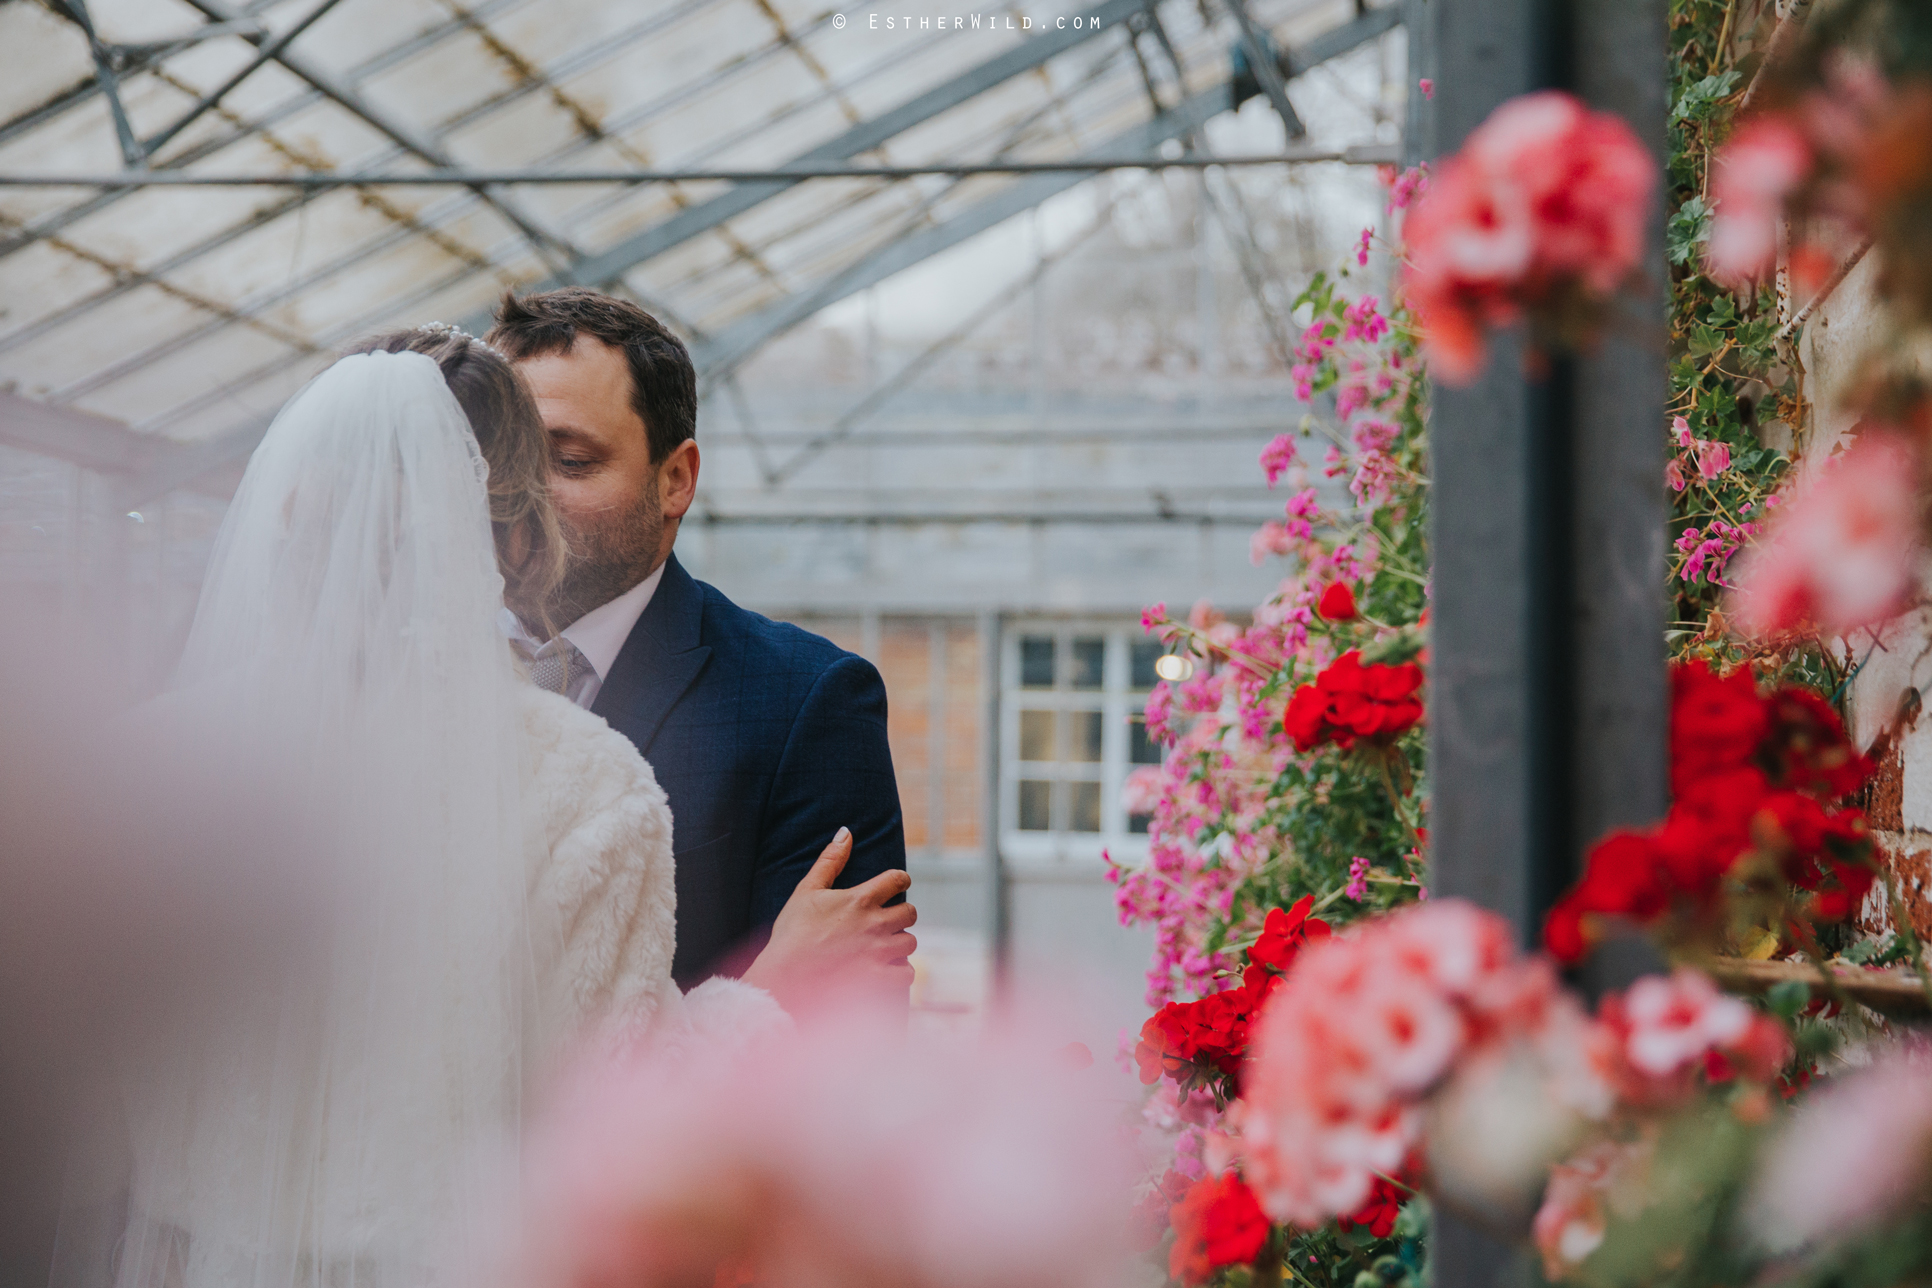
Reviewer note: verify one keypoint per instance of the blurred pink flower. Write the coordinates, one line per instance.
(1665, 1031)
(1674, 1020)
(1142, 790)
(1843, 551)
(1681, 431)
(1584, 1192)
(1674, 475)
(1271, 538)
(1713, 458)
(1854, 1155)
(1764, 162)
(1427, 86)
(1545, 197)
(1277, 456)
(1365, 1027)
(1407, 188)
(973, 1165)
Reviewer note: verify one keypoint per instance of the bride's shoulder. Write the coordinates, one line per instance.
(577, 757)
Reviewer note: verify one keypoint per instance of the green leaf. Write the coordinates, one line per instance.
(1786, 999)
(1689, 229)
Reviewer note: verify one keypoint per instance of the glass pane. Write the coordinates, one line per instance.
(1036, 661)
(1036, 735)
(1141, 750)
(1083, 733)
(1144, 655)
(1089, 663)
(1034, 800)
(1137, 823)
(1085, 813)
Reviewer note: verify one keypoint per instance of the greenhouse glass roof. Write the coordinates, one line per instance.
(191, 312)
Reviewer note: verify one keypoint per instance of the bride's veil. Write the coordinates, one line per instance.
(327, 1130)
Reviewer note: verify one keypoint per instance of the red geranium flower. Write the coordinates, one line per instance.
(1383, 1207)
(1810, 746)
(1716, 723)
(1749, 773)
(1184, 1038)
(1337, 603)
(1283, 934)
(1218, 1223)
(1350, 700)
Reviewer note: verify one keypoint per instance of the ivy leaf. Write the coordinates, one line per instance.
(1699, 101)
(1689, 229)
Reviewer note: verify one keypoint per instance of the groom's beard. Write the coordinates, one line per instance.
(609, 554)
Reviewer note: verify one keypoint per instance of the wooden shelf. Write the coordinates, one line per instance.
(1893, 992)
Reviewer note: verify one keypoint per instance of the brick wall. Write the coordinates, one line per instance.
(935, 713)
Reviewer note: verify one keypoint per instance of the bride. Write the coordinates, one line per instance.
(499, 860)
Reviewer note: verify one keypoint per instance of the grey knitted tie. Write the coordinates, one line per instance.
(556, 664)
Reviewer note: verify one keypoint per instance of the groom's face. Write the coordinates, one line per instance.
(609, 494)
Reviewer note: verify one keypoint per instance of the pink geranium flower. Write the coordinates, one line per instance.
(1584, 1192)
(1546, 199)
(967, 1165)
(1674, 1020)
(1762, 164)
(1277, 456)
(1366, 1027)
(1713, 458)
(1844, 550)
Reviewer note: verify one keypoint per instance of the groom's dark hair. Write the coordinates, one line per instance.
(664, 386)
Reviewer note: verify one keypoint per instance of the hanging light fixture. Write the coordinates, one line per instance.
(1174, 668)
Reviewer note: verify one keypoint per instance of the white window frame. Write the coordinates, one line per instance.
(1116, 700)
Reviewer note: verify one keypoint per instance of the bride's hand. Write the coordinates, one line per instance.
(837, 940)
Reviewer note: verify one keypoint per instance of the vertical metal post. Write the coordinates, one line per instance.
(1548, 697)
(1418, 129)
(936, 694)
(1622, 517)
(998, 916)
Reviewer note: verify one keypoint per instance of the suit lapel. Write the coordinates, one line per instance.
(659, 660)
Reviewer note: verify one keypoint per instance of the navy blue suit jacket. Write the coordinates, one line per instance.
(767, 739)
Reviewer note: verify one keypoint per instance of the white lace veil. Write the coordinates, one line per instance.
(328, 1131)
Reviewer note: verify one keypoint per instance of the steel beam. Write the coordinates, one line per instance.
(1135, 147)
(1371, 154)
(1044, 516)
(85, 439)
(1547, 693)
(434, 217)
(187, 464)
(612, 264)
(266, 51)
(238, 443)
(543, 241)
(33, 119)
(1261, 57)
(75, 11)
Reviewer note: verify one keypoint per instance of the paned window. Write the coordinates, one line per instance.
(1072, 729)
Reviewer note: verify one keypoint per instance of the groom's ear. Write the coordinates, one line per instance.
(677, 479)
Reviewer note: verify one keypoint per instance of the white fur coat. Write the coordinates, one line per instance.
(604, 876)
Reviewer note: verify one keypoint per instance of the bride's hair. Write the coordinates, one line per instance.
(530, 544)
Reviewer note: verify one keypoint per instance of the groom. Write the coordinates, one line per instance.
(768, 740)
